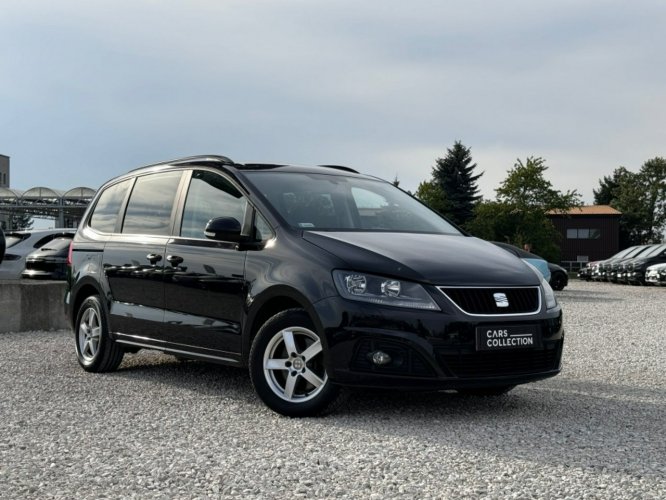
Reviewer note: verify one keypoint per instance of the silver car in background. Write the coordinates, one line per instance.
(656, 274)
(21, 243)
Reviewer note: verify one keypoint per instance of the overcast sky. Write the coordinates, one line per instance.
(90, 90)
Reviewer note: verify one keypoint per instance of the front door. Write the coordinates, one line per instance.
(204, 279)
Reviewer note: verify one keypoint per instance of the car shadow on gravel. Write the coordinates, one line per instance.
(568, 423)
(206, 379)
(209, 378)
(559, 421)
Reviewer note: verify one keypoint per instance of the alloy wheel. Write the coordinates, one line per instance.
(293, 365)
(90, 332)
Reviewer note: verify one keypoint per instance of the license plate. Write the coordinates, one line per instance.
(497, 338)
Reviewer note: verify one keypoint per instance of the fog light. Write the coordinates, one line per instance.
(380, 358)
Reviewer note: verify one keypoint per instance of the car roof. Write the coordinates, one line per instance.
(226, 164)
(235, 170)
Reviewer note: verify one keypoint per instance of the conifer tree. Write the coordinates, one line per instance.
(454, 175)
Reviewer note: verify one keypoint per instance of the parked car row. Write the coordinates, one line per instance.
(38, 254)
(637, 265)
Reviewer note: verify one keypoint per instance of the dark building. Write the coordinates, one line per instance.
(589, 233)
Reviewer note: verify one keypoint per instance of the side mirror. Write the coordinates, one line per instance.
(225, 229)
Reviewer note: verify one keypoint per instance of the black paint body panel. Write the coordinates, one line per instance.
(206, 299)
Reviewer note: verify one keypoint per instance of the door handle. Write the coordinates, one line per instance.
(175, 260)
(154, 258)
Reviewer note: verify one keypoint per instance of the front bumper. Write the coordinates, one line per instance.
(635, 276)
(431, 350)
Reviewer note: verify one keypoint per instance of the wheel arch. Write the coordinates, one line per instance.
(81, 293)
(270, 303)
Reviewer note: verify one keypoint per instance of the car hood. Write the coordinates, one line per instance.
(648, 261)
(429, 258)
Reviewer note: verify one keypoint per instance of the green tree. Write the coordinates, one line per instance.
(526, 189)
(653, 177)
(454, 175)
(520, 213)
(641, 197)
(19, 221)
(492, 221)
(430, 193)
(608, 187)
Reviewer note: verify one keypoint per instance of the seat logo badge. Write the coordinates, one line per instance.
(501, 300)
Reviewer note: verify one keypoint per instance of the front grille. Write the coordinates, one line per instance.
(485, 301)
(465, 364)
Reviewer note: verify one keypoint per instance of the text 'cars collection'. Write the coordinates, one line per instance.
(313, 278)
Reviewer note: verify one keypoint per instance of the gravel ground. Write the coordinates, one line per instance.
(159, 428)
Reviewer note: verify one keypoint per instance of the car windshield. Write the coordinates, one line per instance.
(343, 203)
(640, 251)
(655, 251)
(624, 252)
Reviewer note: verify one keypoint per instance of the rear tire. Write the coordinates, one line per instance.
(95, 349)
(287, 366)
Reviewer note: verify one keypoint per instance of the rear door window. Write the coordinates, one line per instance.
(151, 203)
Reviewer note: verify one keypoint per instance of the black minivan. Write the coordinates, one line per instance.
(313, 277)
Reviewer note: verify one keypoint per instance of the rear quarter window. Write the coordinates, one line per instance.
(105, 214)
(13, 240)
(50, 237)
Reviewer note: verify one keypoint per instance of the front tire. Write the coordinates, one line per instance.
(287, 366)
(558, 282)
(95, 349)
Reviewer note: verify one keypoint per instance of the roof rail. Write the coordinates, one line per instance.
(195, 159)
(340, 167)
(190, 159)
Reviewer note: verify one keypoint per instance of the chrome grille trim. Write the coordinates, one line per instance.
(497, 289)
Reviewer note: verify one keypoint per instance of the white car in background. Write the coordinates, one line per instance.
(656, 274)
(21, 243)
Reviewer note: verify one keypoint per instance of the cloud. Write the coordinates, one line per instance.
(97, 88)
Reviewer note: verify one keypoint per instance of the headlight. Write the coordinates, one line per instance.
(548, 294)
(384, 291)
